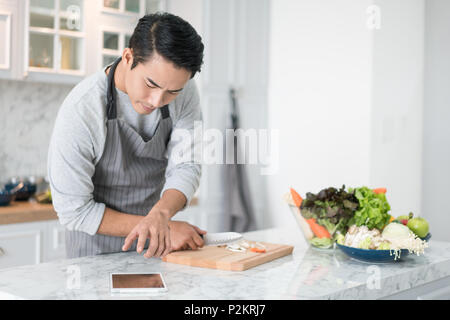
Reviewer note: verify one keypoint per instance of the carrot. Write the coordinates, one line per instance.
(257, 250)
(318, 230)
(380, 190)
(296, 197)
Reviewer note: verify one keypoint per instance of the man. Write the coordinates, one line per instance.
(113, 185)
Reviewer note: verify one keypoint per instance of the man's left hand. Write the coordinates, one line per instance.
(184, 235)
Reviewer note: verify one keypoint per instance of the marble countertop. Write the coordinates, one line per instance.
(306, 274)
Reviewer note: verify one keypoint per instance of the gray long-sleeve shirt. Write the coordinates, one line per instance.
(78, 140)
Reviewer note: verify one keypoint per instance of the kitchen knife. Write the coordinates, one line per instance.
(219, 238)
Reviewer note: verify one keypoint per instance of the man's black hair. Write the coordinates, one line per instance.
(171, 37)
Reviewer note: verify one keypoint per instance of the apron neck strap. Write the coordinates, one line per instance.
(111, 109)
(165, 111)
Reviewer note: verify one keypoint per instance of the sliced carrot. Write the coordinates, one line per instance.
(296, 197)
(380, 190)
(258, 250)
(318, 230)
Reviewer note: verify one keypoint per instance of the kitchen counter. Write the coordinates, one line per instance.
(306, 274)
(32, 211)
(26, 211)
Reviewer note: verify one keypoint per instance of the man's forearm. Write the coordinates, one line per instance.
(171, 202)
(119, 224)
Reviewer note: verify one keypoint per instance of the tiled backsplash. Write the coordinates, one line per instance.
(27, 115)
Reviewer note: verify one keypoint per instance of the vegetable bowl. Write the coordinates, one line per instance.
(376, 256)
(393, 243)
(322, 216)
(305, 227)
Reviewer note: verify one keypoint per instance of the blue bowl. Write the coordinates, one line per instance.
(427, 237)
(23, 193)
(5, 198)
(375, 256)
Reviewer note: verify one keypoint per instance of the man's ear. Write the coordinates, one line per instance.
(127, 57)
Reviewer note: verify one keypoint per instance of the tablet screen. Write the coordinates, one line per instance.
(140, 281)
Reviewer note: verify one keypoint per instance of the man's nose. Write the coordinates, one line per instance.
(156, 99)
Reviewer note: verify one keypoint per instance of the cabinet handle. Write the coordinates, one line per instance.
(2, 252)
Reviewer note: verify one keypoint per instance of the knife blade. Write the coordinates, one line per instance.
(219, 238)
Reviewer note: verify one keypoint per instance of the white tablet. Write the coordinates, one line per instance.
(137, 282)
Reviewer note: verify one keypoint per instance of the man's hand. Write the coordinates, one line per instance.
(154, 226)
(184, 236)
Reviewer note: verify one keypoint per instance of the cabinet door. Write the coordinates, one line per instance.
(54, 245)
(21, 244)
(117, 21)
(5, 36)
(55, 40)
(11, 46)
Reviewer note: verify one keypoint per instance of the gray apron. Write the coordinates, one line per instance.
(128, 178)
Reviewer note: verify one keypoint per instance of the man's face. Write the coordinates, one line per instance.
(153, 84)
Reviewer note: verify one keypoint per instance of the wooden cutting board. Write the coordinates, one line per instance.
(218, 257)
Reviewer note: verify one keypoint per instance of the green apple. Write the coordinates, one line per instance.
(405, 217)
(419, 226)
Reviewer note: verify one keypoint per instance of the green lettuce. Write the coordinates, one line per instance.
(327, 224)
(331, 207)
(373, 209)
(321, 242)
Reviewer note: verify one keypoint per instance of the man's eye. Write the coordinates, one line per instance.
(149, 85)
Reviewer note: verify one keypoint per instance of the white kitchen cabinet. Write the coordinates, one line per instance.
(10, 39)
(62, 41)
(55, 37)
(118, 18)
(131, 7)
(5, 35)
(54, 241)
(21, 244)
(31, 243)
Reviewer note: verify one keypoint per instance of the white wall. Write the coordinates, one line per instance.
(436, 147)
(347, 99)
(397, 104)
(191, 11)
(319, 97)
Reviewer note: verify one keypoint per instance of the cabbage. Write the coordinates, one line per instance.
(340, 238)
(401, 237)
(385, 245)
(396, 231)
(365, 244)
